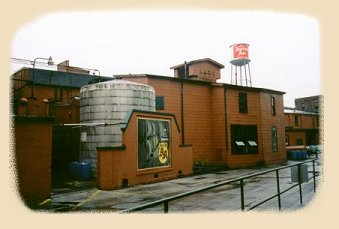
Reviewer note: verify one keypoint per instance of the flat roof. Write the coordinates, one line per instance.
(60, 78)
(289, 110)
(199, 61)
(170, 78)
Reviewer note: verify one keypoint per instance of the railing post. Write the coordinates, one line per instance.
(278, 189)
(313, 175)
(166, 207)
(299, 179)
(242, 194)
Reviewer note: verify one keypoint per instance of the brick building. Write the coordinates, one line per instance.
(301, 127)
(309, 104)
(41, 99)
(229, 125)
(226, 124)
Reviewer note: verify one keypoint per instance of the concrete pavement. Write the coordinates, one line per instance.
(86, 197)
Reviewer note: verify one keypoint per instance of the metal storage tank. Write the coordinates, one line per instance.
(108, 102)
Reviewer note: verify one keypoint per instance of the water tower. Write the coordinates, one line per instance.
(240, 67)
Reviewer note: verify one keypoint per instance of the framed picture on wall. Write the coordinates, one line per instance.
(153, 143)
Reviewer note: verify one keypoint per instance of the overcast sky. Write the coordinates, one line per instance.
(284, 48)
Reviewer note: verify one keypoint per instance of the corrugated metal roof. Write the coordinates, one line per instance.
(289, 110)
(58, 78)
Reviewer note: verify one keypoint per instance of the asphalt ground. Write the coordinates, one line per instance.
(83, 196)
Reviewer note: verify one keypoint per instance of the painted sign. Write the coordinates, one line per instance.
(153, 143)
(240, 51)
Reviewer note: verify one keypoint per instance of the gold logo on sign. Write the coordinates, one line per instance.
(163, 152)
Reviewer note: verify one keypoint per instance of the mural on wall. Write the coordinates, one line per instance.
(153, 143)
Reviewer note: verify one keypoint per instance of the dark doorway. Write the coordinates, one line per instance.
(65, 149)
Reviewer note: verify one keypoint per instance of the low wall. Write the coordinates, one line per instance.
(150, 152)
(33, 140)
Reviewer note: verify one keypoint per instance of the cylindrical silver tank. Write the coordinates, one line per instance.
(108, 102)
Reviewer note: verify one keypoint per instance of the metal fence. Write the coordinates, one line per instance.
(165, 201)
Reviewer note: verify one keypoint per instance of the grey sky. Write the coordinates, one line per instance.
(284, 48)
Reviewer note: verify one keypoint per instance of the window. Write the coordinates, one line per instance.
(244, 139)
(58, 93)
(273, 105)
(159, 103)
(302, 105)
(316, 105)
(242, 102)
(300, 142)
(296, 120)
(274, 139)
(182, 73)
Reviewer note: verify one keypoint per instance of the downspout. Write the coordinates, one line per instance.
(182, 113)
(226, 124)
(182, 107)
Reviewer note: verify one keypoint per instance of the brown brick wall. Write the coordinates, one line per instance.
(305, 121)
(171, 92)
(65, 110)
(33, 142)
(294, 136)
(203, 113)
(307, 126)
(205, 71)
(253, 117)
(218, 136)
(65, 114)
(204, 120)
(269, 120)
(204, 116)
(198, 114)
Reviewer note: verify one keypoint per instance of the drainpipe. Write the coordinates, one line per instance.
(182, 105)
(226, 124)
(182, 112)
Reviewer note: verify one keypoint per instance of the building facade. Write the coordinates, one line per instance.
(302, 128)
(226, 124)
(309, 104)
(42, 102)
(217, 123)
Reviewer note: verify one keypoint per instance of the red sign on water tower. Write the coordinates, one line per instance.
(240, 51)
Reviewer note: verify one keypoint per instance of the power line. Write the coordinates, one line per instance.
(45, 65)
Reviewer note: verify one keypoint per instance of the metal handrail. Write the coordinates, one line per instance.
(166, 200)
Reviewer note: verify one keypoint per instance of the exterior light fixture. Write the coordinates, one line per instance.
(74, 98)
(46, 101)
(96, 70)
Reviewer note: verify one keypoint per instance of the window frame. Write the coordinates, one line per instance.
(244, 139)
(296, 120)
(273, 105)
(160, 99)
(242, 102)
(274, 135)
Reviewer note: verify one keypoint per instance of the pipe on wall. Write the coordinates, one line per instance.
(226, 124)
(182, 112)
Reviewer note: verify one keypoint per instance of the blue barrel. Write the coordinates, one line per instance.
(293, 155)
(74, 170)
(303, 155)
(84, 171)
